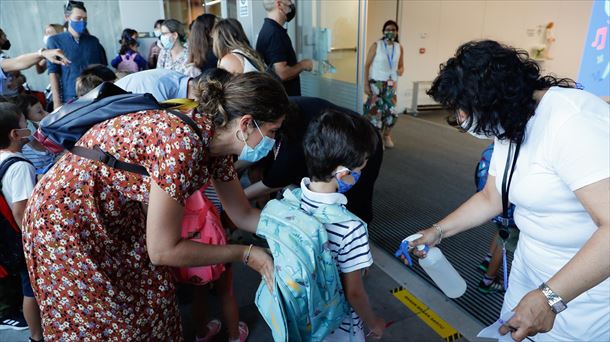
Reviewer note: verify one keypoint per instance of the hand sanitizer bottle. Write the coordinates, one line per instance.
(440, 270)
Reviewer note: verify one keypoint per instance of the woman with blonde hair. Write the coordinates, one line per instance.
(233, 49)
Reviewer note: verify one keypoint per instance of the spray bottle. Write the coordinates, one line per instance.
(437, 267)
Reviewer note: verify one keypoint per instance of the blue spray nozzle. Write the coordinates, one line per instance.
(403, 251)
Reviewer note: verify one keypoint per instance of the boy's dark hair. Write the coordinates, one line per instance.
(86, 83)
(337, 138)
(9, 120)
(24, 102)
(100, 71)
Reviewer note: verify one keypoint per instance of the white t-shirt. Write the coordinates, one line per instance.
(566, 147)
(19, 181)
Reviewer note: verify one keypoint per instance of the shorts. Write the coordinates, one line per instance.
(26, 287)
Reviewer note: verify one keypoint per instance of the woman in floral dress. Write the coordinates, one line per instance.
(99, 240)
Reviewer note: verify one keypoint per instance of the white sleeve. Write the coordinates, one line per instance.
(19, 181)
(355, 253)
(580, 152)
(492, 162)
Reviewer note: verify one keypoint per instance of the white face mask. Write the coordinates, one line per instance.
(472, 128)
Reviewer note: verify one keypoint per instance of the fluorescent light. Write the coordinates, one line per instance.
(213, 2)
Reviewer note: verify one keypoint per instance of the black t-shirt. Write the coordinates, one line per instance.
(274, 46)
(289, 167)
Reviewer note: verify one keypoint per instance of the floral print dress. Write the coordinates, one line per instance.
(85, 230)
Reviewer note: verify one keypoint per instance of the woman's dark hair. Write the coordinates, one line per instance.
(224, 97)
(388, 23)
(494, 84)
(9, 120)
(337, 139)
(127, 41)
(101, 71)
(200, 40)
(158, 23)
(174, 26)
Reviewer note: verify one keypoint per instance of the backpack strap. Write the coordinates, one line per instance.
(106, 158)
(7, 164)
(334, 213)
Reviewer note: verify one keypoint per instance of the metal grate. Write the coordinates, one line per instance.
(426, 176)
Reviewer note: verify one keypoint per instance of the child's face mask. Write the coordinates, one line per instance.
(348, 181)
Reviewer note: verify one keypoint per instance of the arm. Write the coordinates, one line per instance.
(401, 64)
(41, 66)
(18, 210)
(54, 80)
(236, 204)
(258, 189)
(115, 62)
(232, 64)
(370, 55)
(27, 60)
(477, 210)
(286, 72)
(142, 64)
(359, 300)
(589, 267)
(166, 246)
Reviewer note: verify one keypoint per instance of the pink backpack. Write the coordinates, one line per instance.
(128, 64)
(201, 223)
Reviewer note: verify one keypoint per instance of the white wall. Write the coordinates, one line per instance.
(140, 15)
(441, 26)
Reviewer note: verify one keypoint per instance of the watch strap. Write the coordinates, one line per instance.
(554, 300)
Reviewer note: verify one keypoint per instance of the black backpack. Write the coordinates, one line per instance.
(11, 246)
(61, 129)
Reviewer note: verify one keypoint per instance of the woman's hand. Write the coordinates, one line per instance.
(532, 315)
(377, 329)
(260, 261)
(430, 237)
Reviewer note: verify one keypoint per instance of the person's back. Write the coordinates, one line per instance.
(163, 84)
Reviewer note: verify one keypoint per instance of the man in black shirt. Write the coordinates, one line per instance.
(286, 165)
(276, 48)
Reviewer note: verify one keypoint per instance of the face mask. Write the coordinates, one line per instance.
(6, 45)
(157, 33)
(32, 128)
(78, 26)
(472, 128)
(257, 153)
(344, 186)
(390, 35)
(290, 15)
(167, 42)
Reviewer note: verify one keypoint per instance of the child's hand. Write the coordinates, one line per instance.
(377, 328)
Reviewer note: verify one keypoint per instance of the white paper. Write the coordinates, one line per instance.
(493, 331)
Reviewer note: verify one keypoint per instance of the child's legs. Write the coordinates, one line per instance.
(224, 288)
(340, 335)
(495, 262)
(31, 311)
(199, 310)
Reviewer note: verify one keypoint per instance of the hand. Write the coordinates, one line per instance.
(261, 262)
(430, 237)
(532, 315)
(367, 89)
(55, 56)
(377, 329)
(307, 64)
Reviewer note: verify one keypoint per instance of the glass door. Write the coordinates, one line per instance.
(331, 32)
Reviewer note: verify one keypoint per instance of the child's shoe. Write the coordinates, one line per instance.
(483, 266)
(494, 286)
(214, 327)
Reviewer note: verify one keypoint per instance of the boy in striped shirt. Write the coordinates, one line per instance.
(337, 146)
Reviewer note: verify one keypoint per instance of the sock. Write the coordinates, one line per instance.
(488, 280)
(488, 257)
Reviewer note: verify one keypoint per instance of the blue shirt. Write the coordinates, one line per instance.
(86, 51)
(5, 79)
(163, 84)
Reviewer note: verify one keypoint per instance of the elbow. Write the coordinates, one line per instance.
(160, 257)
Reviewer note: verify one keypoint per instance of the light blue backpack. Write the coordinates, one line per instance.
(307, 302)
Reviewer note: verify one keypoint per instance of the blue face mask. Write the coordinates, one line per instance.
(345, 186)
(260, 151)
(78, 26)
(166, 42)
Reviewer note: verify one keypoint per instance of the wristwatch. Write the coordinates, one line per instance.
(41, 51)
(555, 302)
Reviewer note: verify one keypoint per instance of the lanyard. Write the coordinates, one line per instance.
(506, 180)
(390, 59)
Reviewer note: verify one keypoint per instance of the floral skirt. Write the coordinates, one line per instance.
(379, 107)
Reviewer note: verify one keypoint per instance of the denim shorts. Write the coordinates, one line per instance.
(26, 287)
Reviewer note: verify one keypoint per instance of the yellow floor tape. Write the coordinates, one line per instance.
(442, 328)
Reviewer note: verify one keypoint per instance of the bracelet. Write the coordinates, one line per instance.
(440, 232)
(40, 52)
(247, 256)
